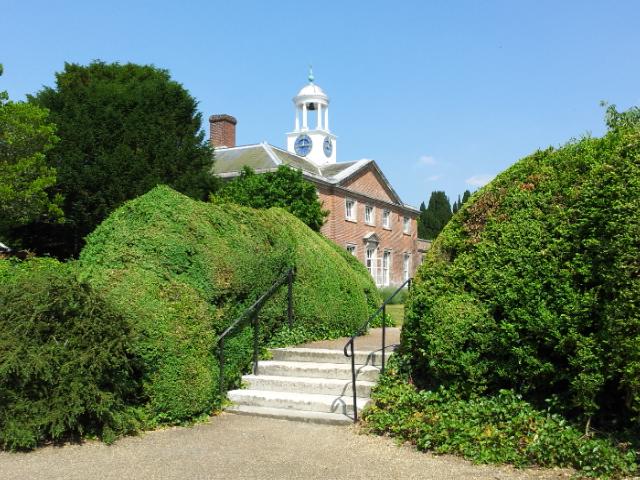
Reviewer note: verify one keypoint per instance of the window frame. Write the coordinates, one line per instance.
(406, 225)
(372, 216)
(354, 209)
(386, 224)
(352, 248)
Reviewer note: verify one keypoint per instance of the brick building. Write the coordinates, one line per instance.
(367, 217)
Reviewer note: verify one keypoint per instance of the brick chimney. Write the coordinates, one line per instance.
(222, 130)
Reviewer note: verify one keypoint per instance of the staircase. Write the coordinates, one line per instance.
(308, 384)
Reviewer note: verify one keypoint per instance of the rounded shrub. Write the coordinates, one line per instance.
(535, 284)
(66, 366)
(181, 271)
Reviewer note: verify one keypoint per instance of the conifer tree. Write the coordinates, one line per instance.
(435, 216)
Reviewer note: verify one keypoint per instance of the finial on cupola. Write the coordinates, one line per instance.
(311, 78)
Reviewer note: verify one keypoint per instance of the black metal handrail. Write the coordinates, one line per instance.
(382, 309)
(253, 312)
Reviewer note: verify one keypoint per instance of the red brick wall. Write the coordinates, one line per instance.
(222, 131)
(343, 231)
(370, 184)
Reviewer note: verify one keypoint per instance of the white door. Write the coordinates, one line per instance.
(406, 266)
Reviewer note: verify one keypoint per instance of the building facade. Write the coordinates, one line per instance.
(366, 216)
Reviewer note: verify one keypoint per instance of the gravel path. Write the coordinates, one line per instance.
(234, 446)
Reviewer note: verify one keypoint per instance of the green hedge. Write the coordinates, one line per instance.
(535, 285)
(66, 367)
(181, 270)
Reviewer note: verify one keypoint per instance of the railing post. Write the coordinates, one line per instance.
(255, 343)
(290, 298)
(353, 382)
(384, 331)
(221, 363)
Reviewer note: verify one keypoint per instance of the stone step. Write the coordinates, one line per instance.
(295, 415)
(322, 355)
(296, 401)
(324, 386)
(317, 370)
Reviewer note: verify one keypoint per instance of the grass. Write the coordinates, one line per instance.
(397, 313)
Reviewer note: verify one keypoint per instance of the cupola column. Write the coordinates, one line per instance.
(319, 126)
(326, 118)
(304, 116)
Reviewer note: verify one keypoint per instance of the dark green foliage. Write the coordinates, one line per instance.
(285, 188)
(66, 366)
(183, 270)
(535, 285)
(124, 129)
(433, 219)
(501, 428)
(457, 205)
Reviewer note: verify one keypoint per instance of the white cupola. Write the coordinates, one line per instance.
(311, 137)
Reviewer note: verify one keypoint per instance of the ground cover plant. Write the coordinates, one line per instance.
(498, 428)
(181, 270)
(534, 287)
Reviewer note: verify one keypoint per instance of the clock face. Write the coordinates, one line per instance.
(302, 145)
(327, 146)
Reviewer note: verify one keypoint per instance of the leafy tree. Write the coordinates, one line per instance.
(435, 217)
(285, 188)
(124, 129)
(25, 136)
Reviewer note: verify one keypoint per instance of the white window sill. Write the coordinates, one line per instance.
(352, 220)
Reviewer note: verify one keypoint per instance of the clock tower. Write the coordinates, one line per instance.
(313, 142)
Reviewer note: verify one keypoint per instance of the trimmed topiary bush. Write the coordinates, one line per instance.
(66, 366)
(529, 301)
(181, 271)
(535, 284)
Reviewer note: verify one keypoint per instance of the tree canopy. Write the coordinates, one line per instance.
(433, 219)
(285, 188)
(25, 136)
(123, 130)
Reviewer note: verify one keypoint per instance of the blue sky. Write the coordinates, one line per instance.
(442, 95)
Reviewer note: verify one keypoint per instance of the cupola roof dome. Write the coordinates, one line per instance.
(312, 90)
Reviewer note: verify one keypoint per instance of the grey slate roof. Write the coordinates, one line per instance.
(263, 157)
(260, 157)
